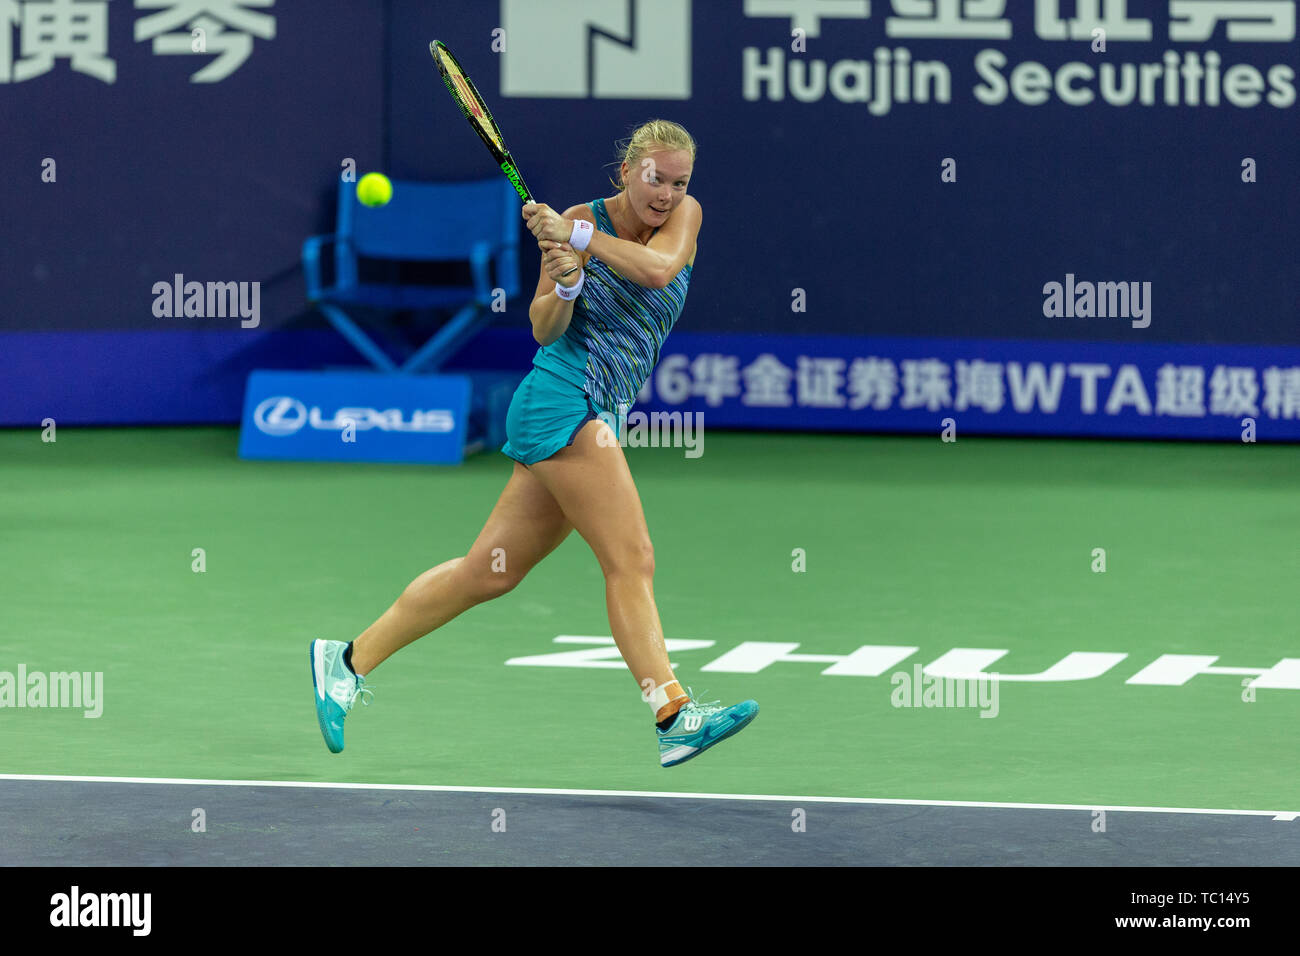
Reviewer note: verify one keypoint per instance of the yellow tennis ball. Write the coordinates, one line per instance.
(374, 189)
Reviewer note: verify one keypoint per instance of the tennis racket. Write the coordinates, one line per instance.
(471, 103)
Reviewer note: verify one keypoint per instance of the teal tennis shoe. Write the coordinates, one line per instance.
(337, 690)
(699, 726)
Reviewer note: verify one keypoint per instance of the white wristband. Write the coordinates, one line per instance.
(568, 295)
(581, 235)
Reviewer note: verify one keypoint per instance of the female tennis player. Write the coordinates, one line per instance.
(613, 282)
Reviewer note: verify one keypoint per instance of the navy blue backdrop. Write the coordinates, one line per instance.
(818, 189)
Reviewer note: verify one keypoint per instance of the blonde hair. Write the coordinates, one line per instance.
(649, 137)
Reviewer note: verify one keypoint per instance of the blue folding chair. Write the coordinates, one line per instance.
(474, 222)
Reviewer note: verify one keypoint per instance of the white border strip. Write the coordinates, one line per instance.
(776, 798)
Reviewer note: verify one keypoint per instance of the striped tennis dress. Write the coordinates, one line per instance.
(605, 355)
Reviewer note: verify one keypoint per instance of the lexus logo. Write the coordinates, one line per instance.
(280, 415)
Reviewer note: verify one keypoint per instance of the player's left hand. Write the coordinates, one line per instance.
(545, 223)
(559, 258)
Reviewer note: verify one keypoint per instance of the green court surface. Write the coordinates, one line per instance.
(908, 541)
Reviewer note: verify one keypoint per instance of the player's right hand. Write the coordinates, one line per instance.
(545, 223)
(557, 259)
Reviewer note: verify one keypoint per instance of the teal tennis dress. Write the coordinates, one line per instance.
(600, 362)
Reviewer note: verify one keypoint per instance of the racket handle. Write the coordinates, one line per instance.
(565, 275)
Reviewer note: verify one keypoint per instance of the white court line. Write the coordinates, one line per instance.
(775, 798)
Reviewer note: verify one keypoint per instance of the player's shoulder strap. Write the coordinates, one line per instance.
(603, 222)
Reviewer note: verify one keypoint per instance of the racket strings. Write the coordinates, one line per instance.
(467, 98)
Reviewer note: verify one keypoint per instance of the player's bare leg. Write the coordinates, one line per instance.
(592, 484)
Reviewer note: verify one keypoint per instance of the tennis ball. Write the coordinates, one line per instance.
(374, 189)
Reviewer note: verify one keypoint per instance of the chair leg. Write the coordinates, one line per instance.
(360, 341)
(461, 327)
